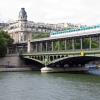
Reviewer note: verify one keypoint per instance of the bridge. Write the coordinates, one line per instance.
(71, 48)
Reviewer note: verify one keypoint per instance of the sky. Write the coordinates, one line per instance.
(85, 12)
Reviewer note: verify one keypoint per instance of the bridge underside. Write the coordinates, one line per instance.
(33, 63)
(75, 61)
(78, 61)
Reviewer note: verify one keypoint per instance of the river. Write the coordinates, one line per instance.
(53, 86)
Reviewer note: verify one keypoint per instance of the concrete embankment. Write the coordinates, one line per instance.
(12, 63)
(14, 69)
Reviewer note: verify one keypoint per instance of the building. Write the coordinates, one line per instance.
(3, 25)
(21, 30)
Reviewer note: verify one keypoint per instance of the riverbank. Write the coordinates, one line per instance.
(15, 69)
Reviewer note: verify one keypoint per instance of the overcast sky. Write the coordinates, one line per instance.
(53, 11)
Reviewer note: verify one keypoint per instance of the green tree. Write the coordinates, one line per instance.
(40, 35)
(5, 41)
(62, 45)
(56, 45)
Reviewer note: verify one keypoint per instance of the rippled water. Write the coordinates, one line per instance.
(55, 86)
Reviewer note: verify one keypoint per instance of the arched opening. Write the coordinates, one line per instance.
(51, 58)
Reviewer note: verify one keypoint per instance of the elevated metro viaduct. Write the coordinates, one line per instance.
(68, 49)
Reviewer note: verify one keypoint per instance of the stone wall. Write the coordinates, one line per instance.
(12, 61)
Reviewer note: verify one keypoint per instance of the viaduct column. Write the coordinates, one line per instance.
(52, 44)
(46, 46)
(81, 43)
(99, 41)
(90, 43)
(73, 44)
(29, 47)
(65, 45)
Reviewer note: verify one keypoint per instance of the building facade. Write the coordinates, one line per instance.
(20, 30)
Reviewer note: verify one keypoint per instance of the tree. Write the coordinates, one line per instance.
(40, 35)
(5, 41)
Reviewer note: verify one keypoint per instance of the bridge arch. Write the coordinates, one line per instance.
(33, 62)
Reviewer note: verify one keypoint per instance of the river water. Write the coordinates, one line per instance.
(54, 86)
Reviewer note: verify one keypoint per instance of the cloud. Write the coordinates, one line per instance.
(53, 11)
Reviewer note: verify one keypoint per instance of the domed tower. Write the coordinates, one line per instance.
(24, 32)
(22, 15)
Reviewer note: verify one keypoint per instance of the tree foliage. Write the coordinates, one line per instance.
(5, 41)
(40, 35)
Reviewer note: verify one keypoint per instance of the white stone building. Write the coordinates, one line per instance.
(20, 30)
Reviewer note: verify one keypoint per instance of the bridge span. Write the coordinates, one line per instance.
(65, 61)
